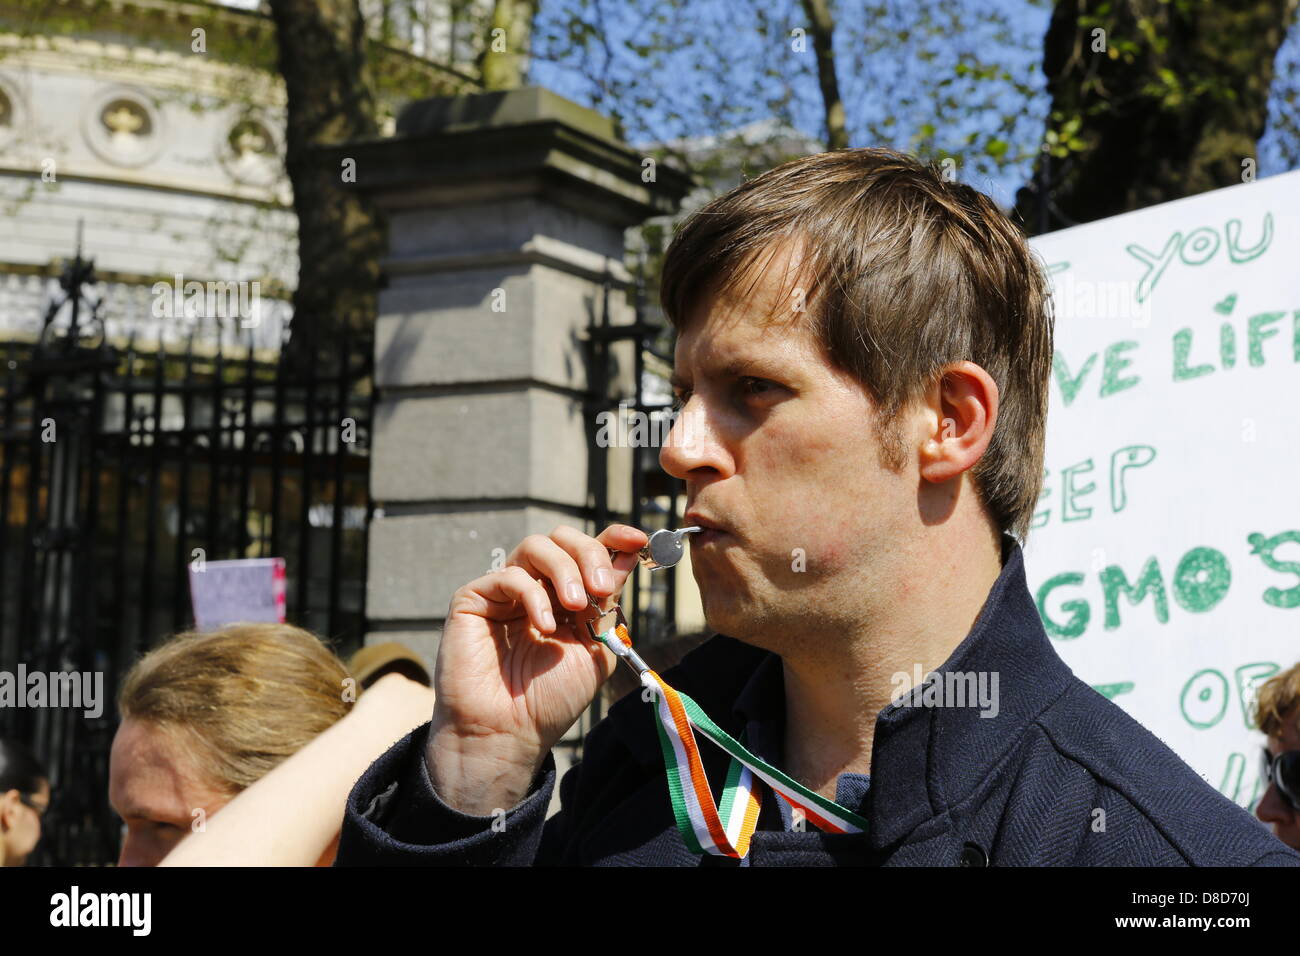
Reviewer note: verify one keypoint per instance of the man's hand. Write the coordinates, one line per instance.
(516, 666)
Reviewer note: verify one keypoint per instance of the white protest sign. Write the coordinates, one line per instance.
(1165, 553)
(229, 592)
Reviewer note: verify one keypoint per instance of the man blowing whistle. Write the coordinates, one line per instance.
(862, 368)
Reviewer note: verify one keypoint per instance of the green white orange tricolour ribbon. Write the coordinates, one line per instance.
(705, 826)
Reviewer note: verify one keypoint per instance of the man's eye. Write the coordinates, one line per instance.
(756, 386)
(680, 398)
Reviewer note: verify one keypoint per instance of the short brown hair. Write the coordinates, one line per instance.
(907, 273)
(1277, 701)
(243, 698)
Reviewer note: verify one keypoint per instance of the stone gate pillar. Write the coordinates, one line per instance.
(507, 213)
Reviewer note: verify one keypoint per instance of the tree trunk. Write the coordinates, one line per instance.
(823, 31)
(1151, 102)
(322, 57)
(502, 64)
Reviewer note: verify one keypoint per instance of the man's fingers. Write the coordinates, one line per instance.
(543, 558)
(603, 575)
(498, 595)
(627, 542)
(623, 537)
(591, 556)
(551, 577)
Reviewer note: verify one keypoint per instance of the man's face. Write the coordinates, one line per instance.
(778, 450)
(1273, 808)
(155, 788)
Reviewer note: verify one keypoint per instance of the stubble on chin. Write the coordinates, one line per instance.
(742, 616)
(741, 593)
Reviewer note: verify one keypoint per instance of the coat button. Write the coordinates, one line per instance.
(972, 854)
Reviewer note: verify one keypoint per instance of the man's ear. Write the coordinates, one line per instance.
(962, 408)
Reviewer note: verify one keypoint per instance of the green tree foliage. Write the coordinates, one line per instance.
(1152, 101)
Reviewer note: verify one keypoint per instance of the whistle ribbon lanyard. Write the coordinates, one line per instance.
(706, 827)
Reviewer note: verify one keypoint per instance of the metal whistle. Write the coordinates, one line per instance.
(665, 548)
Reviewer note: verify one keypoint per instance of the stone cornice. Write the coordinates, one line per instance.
(139, 18)
(157, 69)
(151, 180)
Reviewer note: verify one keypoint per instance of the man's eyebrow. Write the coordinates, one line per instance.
(732, 369)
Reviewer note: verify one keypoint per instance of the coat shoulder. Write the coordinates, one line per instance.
(1167, 813)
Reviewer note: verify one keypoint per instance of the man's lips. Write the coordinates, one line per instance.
(712, 531)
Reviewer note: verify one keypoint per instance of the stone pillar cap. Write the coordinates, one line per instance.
(478, 147)
(529, 104)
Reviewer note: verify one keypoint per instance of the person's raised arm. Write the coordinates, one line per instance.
(292, 815)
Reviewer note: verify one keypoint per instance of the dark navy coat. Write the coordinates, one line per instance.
(947, 786)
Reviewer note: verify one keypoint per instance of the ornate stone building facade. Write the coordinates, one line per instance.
(155, 129)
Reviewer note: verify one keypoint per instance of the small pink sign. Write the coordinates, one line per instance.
(242, 590)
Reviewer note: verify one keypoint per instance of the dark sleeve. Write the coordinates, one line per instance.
(395, 818)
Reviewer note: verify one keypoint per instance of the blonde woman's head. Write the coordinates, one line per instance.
(206, 715)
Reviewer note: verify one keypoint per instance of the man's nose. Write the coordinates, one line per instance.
(1272, 809)
(690, 444)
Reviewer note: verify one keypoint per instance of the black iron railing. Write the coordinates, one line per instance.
(122, 464)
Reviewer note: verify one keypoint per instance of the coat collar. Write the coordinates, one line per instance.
(927, 759)
(924, 759)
